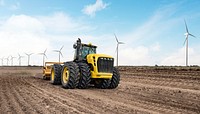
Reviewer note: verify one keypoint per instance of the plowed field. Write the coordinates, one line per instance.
(141, 90)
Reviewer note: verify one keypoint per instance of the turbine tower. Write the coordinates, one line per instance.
(187, 34)
(117, 48)
(19, 58)
(59, 52)
(44, 55)
(28, 57)
(2, 61)
(11, 58)
(7, 60)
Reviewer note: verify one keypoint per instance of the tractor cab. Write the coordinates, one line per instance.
(82, 50)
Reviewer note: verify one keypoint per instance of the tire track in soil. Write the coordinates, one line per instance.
(117, 106)
(189, 76)
(4, 103)
(176, 95)
(185, 84)
(67, 97)
(64, 101)
(37, 102)
(25, 103)
(97, 102)
(13, 104)
(123, 101)
(41, 102)
(149, 103)
(28, 100)
(144, 98)
(159, 98)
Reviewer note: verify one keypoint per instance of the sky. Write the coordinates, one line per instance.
(152, 30)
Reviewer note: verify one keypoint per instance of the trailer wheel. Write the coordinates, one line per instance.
(56, 74)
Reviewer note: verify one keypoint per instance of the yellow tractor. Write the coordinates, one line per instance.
(87, 69)
(47, 69)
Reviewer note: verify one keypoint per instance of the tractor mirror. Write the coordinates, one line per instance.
(74, 46)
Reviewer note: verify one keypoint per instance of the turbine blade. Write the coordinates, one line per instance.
(121, 43)
(41, 53)
(185, 41)
(61, 54)
(45, 55)
(56, 50)
(45, 50)
(186, 26)
(61, 48)
(192, 35)
(116, 37)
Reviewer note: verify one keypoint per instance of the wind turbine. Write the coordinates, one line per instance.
(117, 48)
(19, 58)
(59, 52)
(2, 61)
(187, 34)
(28, 57)
(11, 58)
(7, 60)
(44, 55)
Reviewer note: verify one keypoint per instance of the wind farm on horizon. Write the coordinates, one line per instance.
(9, 60)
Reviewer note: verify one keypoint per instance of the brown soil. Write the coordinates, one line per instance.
(141, 90)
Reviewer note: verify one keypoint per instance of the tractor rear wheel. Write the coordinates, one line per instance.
(56, 74)
(102, 83)
(115, 79)
(85, 75)
(70, 75)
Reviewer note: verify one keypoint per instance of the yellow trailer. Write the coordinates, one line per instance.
(47, 69)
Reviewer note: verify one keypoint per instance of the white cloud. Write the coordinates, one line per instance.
(23, 33)
(20, 34)
(62, 23)
(139, 55)
(93, 8)
(155, 47)
(179, 57)
(20, 23)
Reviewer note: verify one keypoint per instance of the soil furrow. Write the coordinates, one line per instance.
(142, 90)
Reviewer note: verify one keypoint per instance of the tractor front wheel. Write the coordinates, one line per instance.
(85, 75)
(102, 83)
(115, 79)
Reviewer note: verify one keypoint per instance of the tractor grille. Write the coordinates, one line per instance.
(105, 64)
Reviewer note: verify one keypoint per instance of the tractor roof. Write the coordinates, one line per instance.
(89, 45)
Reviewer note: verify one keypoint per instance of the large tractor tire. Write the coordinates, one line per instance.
(115, 79)
(102, 83)
(56, 74)
(85, 75)
(70, 75)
